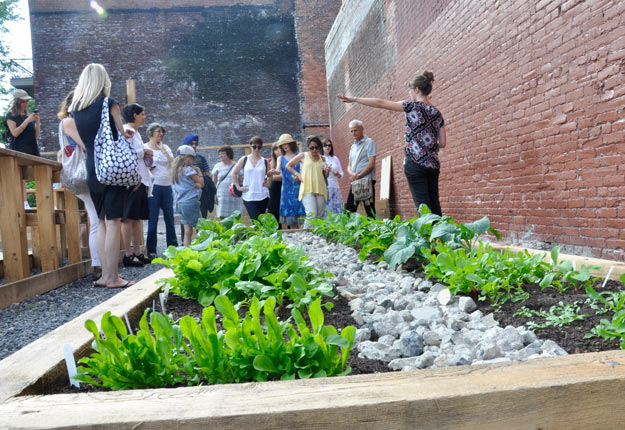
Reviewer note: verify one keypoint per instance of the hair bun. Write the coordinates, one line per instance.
(428, 75)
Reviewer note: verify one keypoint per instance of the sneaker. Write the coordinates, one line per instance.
(144, 259)
(131, 261)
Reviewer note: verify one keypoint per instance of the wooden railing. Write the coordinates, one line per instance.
(54, 232)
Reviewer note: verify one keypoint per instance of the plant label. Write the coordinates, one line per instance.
(71, 365)
(128, 324)
(161, 296)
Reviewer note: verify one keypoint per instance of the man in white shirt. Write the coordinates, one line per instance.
(361, 166)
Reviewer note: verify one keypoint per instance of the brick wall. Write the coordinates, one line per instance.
(533, 96)
(313, 20)
(222, 70)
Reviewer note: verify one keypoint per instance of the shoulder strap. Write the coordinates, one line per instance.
(244, 161)
(361, 152)
(226, 175)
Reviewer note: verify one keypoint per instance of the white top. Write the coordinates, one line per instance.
(335, 167)
(254, 178)
(137, 145)
(162, 166)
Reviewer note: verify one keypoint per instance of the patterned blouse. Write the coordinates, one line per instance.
(423, 121)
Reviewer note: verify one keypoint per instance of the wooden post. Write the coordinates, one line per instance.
(12, 221)
(72, 225)
(131, 91)
(45, 217)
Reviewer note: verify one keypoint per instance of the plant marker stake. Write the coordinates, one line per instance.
(153, 305)
(605, 281)
(128, 324)
(573, 261)
(71, 365)
(162, 297)
(166, 292)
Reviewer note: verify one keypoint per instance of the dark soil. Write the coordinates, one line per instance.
(569, 337)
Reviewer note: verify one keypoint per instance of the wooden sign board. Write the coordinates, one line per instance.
(385, 179)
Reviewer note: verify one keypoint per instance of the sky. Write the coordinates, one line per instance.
(18, 39)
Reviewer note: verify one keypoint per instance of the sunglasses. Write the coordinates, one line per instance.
(257, 146)
(327, 145)
(313, 148)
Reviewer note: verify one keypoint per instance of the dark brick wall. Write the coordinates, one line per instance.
(205, 67)
(533, 96)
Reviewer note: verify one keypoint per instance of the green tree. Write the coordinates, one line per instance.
(7, 14)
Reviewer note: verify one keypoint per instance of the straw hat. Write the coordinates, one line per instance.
(285, 138)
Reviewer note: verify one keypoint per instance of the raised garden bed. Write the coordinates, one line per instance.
(444, 398)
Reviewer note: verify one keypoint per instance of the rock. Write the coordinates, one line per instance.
(408, 363)
(406, 315)
(527, 352)
(386, 303)
(466, 304)
(431, 338)
(552, 349)
(489, 321)
(509, 339)
(408, 281)
(357, 316)
(362, 334)
(400, 304)
(444, 297)
(411, 344)
(437, 288)
(422, 285)
(493, 361)
(487, 350)
(387, 340)
(423, 316)
(374, 350)
(425, 360)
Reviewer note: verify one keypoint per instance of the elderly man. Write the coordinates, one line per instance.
(361, 165)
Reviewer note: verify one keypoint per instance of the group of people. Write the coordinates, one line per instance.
(290, 185)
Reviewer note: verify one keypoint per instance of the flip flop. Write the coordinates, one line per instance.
(127, 284)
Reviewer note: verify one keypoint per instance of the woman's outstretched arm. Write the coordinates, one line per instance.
(372, 102)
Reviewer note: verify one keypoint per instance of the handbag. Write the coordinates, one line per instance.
(362, 188)
(234, 191)
(74, 172)
(116, 161)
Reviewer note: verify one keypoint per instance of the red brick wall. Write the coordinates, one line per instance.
(533, 97)
(313, 20)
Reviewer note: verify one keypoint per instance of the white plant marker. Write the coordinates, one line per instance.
(128, 324)
(605, 281)
(71, 365)
(161, 296)
(573, 261)
(153, 305)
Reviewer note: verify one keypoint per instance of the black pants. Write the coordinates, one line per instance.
(423, 183)
(352, 205)
(256, 207)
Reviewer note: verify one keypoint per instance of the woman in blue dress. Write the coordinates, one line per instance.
(291, 209)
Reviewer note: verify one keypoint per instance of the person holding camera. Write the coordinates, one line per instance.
(23, 127)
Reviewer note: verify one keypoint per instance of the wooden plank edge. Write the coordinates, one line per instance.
(41, 363)
(618, 267)
(570, 392)
(24, 289)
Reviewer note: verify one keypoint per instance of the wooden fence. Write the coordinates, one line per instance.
(54, 232)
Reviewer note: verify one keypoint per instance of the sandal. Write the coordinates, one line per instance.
(127, 284)
(143, 259)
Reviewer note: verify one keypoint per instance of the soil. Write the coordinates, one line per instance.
(570, 337)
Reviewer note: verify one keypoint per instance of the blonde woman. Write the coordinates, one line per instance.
(70, 141)
(313, 179)
(188, 182)
(86, 107)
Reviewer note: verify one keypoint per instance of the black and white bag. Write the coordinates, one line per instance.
(115, 160)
